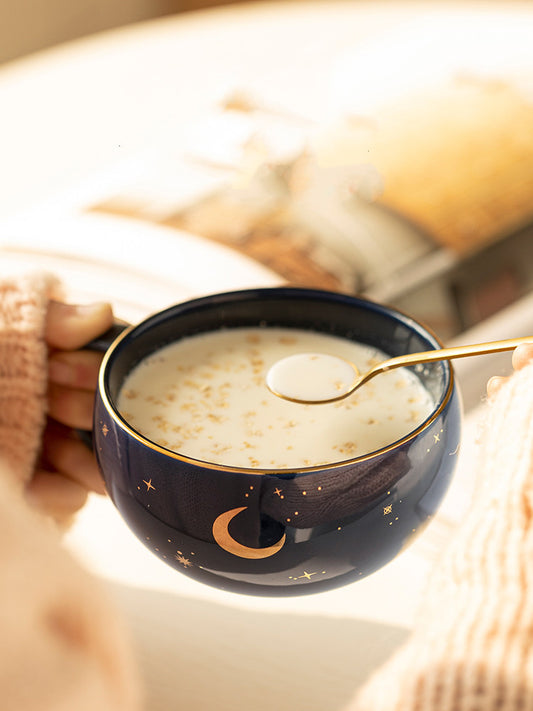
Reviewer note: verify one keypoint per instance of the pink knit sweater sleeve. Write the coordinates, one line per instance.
(472, 645)
(23, 371)
(62, 643)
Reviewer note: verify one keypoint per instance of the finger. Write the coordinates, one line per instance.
(522, 355)
(495, 384)
(55, 495)
(71, 407)
(69, 456)
(69, 327)
(77, 369)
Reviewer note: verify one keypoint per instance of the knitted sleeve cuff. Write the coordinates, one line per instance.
(471, 645)
(23, 370)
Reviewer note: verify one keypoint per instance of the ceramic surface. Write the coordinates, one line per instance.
(235, 528)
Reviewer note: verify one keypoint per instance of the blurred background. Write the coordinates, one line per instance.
(30, 25)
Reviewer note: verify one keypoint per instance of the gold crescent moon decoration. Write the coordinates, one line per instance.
(229, 544)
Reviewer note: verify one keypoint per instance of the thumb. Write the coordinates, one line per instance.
(69, 327)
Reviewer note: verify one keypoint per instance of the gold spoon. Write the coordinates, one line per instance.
(318, 378)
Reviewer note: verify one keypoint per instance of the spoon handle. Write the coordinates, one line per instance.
(448, 353)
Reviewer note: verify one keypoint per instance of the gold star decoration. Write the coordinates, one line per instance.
(105, 429)
(149, 485)
(184, 561)
(277, 491)
(387, 509)
(305, 575)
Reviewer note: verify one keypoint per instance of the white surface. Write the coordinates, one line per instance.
(138, 267)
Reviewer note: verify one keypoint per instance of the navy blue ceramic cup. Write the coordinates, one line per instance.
(228, 526)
